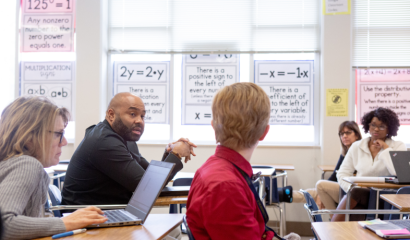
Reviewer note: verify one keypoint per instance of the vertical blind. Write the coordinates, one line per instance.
(381, 33)
(214, 25)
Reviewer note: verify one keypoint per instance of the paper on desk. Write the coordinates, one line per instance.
(366, 179)
(371, 222)
(392, 232)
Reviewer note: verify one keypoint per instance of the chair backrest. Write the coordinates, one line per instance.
(311, 205)
(188, 231)
(275, 194)
(404, 190)
(55, 198)
(182, 182)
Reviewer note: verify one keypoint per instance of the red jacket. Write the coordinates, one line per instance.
(220, 202)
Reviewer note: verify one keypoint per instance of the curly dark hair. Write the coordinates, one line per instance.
(384, 115)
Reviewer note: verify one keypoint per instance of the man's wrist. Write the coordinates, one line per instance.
(176, 154)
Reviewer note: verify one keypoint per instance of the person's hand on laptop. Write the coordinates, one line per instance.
(84, 217)
(183, 147)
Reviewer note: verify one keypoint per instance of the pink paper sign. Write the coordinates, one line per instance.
(390, 88)
(47, 33)
(48, 6)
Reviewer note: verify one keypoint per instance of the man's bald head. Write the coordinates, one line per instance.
(125, 114)
(119, 99)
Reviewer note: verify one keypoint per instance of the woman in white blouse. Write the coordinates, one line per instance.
(370, 157)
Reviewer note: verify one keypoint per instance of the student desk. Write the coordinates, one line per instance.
(400, 201)
(59, 168)
(325, 169)
(166, 201)
(375, 186)
(342, 231)
(157, 226)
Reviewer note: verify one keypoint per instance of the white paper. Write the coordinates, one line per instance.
(150, 82)
(337, 6)
(203, 76)
(289, 86)
(366, 179)
(47, 71)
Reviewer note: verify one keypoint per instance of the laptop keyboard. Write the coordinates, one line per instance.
(401, 223)
(117, 216)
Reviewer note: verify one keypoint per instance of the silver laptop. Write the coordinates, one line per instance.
(401, 163)
(154, 180)
(391, 225)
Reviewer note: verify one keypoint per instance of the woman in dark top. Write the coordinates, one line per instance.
(328, 190)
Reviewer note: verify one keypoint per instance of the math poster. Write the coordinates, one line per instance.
(150, 82)
(337, 102)
(388, 88)
(289, 86)
(47, 26)
(54, 80)
(203, 75)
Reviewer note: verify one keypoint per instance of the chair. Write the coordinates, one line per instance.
(314, 212)
(173, 208)
(403, 190)
(55, 198)
(272, 195)
(188, 231)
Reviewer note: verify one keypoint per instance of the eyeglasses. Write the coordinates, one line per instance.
(341, 134)
(374, 126)
(58, 135)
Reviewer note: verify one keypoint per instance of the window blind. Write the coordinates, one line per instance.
(381, 33)
(184, 26)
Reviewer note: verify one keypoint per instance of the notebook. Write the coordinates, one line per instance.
(392, 229)
(154, 180)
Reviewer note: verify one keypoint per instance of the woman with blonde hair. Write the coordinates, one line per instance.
(31, 138)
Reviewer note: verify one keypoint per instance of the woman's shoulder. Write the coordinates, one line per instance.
(22, 162)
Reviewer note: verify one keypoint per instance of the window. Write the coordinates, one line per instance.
(141, 31)
(381, 48)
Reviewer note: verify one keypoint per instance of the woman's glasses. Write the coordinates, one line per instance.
(348, 133)
(374, 126)
(58, 135)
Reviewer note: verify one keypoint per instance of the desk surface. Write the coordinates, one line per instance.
(165, 201)
(377, 185)
(342, 231)
(59, 167)
(280, 167)
(327, 168)
(265, 172)
(400, 201)
(155, 227)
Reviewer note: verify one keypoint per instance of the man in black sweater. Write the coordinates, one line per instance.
(107, 166)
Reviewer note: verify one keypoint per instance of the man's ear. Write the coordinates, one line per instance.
(110, 115)
(264, 133)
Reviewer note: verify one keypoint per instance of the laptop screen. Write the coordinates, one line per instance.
(148, 189)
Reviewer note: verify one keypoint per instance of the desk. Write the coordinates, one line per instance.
(278, 167)
(342, 231)
(157, 226)
(375, 186)
(183, 175)
(325, 169)
(400, 201)
(59, 168)
(166, 201)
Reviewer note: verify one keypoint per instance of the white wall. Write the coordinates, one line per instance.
(335, 73)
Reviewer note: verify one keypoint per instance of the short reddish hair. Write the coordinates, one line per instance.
(241, 112)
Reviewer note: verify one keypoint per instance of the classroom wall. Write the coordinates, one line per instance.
(91, 101)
